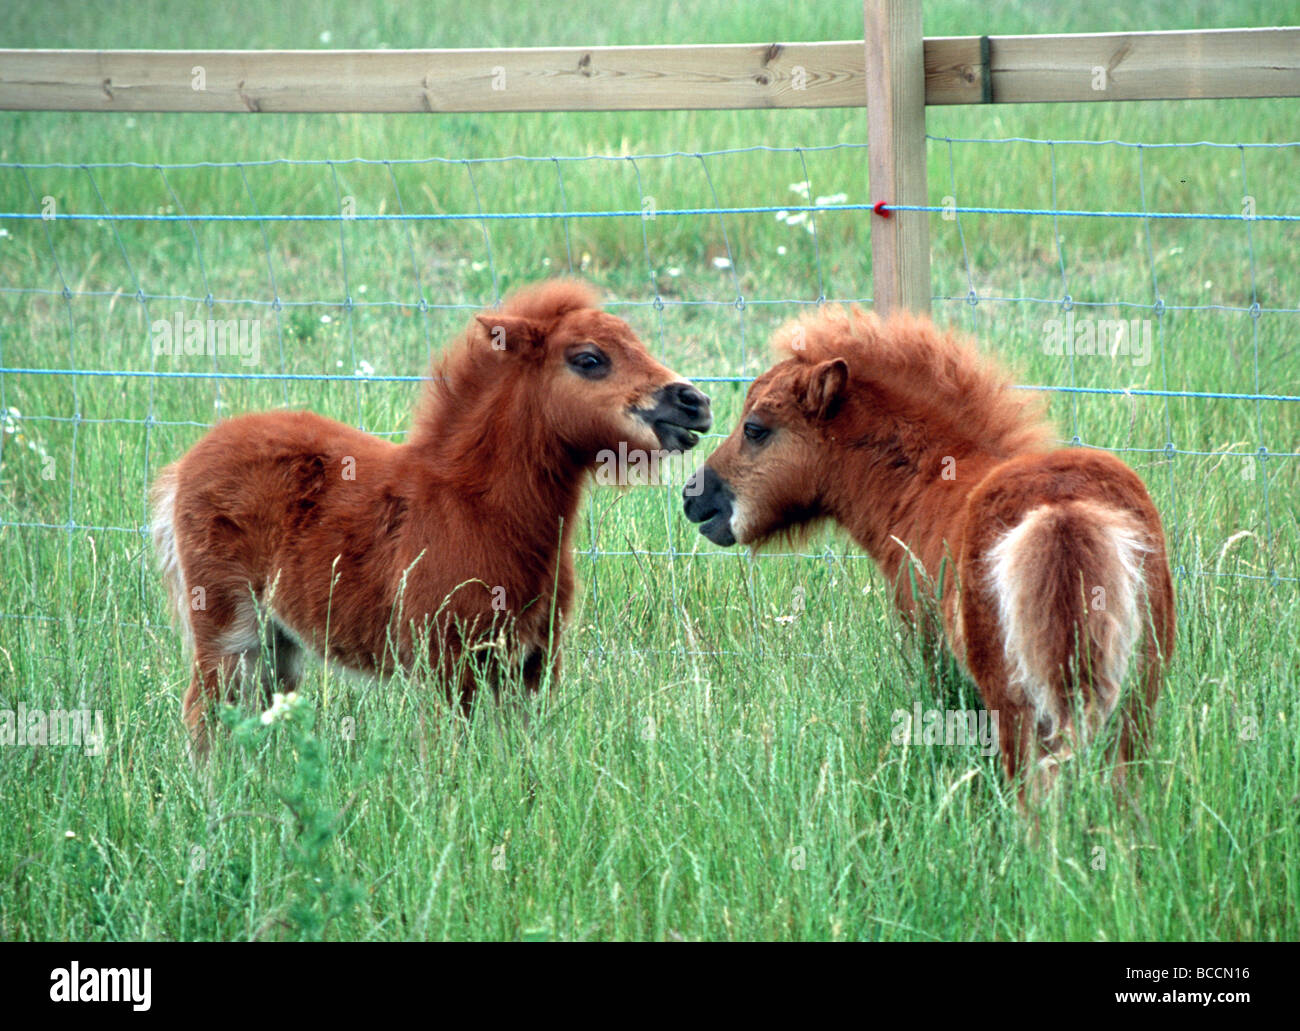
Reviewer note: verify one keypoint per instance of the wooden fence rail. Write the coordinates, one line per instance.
(893, 71)
(1216, 63)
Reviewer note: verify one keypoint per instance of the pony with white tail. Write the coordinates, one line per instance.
(1049, 563)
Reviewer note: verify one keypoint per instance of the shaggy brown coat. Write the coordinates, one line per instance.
(1052, 561)
(291, 531)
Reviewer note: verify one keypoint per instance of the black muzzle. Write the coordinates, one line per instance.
(680, 414)
(708, 501)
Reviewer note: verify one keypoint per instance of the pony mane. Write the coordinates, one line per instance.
(551, 300)
(469, 369)
(931, 368)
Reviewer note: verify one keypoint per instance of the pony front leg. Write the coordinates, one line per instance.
(534, 667)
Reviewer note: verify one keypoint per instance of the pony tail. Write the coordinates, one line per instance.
(1068, 580)
(162, 523)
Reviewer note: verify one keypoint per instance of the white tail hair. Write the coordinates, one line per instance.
(1068, 580)
(162, 525)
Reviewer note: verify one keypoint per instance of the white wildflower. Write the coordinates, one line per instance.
(282, 706)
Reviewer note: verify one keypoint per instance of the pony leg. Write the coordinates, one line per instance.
(226, 676)
(1135, 731)
(1033, 748)
(1157, 644)
(212, 680)
(454, 669)
(534, 667)
(533, 674)
(226, 649)
(1027, 760)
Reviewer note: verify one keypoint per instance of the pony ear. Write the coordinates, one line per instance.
(826, 385)
(511, 332)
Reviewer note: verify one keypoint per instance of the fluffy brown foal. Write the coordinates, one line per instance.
(1052, 561)
(294, 532)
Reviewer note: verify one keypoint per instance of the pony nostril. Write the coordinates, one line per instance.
(689, 399)
(698, 508)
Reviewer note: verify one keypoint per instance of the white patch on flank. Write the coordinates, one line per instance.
(242, 633)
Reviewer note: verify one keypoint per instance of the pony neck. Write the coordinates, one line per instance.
(899, 503)
(492, 448)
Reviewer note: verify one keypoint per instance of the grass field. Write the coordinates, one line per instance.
(717, 761)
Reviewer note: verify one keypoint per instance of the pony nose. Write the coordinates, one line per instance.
(693, 403)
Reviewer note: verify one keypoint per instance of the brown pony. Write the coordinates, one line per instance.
(290, 531)
(1050, 563)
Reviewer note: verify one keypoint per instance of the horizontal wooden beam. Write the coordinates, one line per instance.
(1216, 63)
(524, 79)
(1146, 66)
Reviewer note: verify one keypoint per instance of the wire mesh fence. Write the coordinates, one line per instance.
(1159, 315)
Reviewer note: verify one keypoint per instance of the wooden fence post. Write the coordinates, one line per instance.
(900, 243)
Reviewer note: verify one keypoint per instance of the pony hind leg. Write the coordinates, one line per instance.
(214, 679)
(1030, 762)
(227, 649)
(1138, 710)
(274, 665)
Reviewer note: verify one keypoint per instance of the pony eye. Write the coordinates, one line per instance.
(756, 431)
(589, 363)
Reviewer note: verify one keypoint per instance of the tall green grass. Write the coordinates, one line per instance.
(718, 758)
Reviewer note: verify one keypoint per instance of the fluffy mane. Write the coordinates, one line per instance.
(915, 360)
(1043, 567)
(551, 300)
(469, 369)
